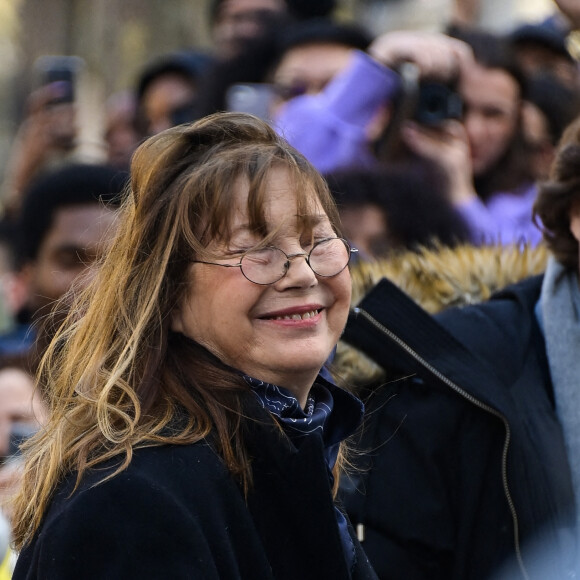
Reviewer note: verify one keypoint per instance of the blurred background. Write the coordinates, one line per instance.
(115, 38)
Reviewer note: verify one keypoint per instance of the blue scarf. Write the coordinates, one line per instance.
(331, 412)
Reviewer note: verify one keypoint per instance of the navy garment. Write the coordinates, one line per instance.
(18, 340)
(298, 422)
(465, 469)
(177, 512)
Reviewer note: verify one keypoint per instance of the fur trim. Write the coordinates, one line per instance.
(437, 279)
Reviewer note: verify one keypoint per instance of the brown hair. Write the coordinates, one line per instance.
(116, 376)
(555, 198)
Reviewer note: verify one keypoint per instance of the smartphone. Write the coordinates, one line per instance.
(253, 98)
(62, 70)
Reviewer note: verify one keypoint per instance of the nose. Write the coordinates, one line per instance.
(298, 272)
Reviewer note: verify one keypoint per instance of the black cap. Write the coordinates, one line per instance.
(548, 33)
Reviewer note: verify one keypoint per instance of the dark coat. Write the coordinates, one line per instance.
(466, 464)
(176, 512)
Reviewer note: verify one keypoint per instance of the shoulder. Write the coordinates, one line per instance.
(157, 514)
(158, 471)
(508, 314)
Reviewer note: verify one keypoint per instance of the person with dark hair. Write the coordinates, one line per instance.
(493, 90)
(549, 108)
(287, 59)
(472, 468)
(63, 227)
(482, 152)
(311, 54)
(120, 132)
(388, 210)
(167, 88)
(189, 423)
(234, 23)
(542, 47)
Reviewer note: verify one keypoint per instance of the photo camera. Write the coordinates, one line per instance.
(435, 103)
(427, 101)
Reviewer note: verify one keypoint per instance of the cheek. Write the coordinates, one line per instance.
(341, 288)
(219, 302)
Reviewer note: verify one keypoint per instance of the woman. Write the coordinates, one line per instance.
(190, 435)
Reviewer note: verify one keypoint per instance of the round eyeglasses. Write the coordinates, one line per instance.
(327, 258)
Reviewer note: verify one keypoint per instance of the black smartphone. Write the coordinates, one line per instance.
(61, 70)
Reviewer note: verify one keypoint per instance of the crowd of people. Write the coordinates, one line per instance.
(313, 315)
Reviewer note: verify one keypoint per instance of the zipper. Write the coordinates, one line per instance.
(474, 401)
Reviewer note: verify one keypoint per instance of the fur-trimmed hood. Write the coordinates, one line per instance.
(437, 279)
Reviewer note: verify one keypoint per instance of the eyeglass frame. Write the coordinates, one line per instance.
(289, 257)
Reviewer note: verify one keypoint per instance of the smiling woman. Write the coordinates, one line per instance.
(190, 434)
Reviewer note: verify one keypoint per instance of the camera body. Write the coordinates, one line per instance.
(436, 103)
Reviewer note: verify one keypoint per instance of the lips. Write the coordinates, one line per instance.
(296, 313)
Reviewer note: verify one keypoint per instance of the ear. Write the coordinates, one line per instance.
(575, 219)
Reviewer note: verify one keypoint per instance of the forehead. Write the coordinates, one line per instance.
(16, 386)
(286, 200)
(488, 84)
(83, 226)
(316, 55)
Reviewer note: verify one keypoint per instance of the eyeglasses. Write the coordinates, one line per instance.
(327, 258)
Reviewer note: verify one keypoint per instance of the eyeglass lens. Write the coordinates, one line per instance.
(268, 265)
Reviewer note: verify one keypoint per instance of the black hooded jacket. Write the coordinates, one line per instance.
(464, 471)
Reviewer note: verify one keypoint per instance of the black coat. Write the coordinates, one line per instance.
(177, 513)
(465, 458)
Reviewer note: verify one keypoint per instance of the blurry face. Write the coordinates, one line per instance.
(163, 98)
(308, 69)
(240, 20)
(536, 59)
(121, 135)
(538, 140)
(492, 108)
(366, 228)
(20, 405)
(77, 239)
(281, 333)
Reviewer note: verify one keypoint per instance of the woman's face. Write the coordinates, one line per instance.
(281, 333)
(491, 99)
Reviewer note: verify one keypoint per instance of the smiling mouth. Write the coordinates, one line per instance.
(296, 316)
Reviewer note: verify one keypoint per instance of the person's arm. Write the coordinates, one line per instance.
(330, 128)
(49, 131)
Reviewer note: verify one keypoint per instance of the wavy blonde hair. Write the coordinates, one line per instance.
(115, 376)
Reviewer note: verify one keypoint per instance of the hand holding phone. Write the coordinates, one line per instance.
(60, 74)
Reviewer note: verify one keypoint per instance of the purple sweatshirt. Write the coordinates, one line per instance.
(330, 129)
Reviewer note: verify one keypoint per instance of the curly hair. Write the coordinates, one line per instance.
(556, 196)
